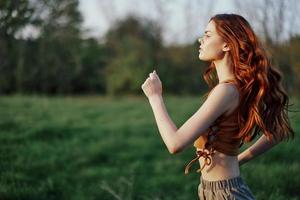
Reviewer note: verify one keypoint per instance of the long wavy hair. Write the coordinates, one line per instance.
(264, 103)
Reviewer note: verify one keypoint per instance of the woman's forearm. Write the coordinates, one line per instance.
(166, 126)
(260, 146)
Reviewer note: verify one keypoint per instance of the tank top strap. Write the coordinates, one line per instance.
(232, 80)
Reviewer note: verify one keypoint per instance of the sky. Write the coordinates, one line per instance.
(180, 26)
(97, 18)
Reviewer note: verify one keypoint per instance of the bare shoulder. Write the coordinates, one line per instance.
(227, 93)
(227, 89)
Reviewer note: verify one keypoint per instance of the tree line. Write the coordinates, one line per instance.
(59, 60)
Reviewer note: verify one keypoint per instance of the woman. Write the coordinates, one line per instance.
(247, 99)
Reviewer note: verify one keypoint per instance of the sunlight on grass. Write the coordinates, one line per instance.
(96, 147)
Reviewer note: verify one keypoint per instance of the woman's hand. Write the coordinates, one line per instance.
(240, 160)
(152, 86)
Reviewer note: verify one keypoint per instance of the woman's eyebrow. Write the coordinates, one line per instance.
(207, 32)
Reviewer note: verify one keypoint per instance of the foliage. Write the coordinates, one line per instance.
(59, 60)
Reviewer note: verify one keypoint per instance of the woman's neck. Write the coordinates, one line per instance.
(224, 68)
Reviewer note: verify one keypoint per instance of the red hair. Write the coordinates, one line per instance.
(264, 103)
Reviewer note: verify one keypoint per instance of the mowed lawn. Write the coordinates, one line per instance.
(95, 147)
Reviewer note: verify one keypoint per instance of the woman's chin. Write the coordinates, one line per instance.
(201, 57)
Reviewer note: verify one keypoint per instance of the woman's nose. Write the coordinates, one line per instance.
(200, 40)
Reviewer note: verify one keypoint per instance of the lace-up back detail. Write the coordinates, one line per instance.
(220, 136)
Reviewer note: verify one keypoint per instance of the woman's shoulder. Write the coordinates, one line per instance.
(235, 93)
(231, 86)
(228, 87)
(232, 94)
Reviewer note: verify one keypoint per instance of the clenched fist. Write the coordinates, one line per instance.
(152, 86)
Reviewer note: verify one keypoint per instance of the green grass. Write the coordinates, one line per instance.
(102, 148)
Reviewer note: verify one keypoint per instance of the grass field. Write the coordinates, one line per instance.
(101, 148)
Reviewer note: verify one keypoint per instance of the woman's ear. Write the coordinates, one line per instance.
(226, 47)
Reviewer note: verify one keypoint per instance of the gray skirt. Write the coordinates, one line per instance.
(229, 189)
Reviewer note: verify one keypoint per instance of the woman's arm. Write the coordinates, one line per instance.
(260, 146)
(165, 125)
(217, 103)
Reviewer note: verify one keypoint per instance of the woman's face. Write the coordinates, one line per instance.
(212, 46)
